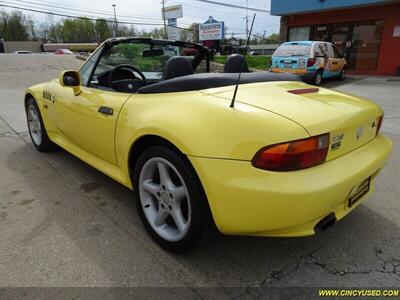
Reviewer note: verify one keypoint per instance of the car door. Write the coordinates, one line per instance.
(88, 120)
(335, 64)
(340, 58)
(320, 52)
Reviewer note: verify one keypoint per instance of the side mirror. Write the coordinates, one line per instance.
(71, 79)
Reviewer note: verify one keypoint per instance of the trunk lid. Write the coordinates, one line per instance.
(351, 121)
(289, 62)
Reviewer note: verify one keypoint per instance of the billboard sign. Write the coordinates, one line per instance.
(173, 12)
(211, 30)
(173, 33)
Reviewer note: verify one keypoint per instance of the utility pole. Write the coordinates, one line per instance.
(115, 20)
(163, 13)
(247, 18)
(263, 43)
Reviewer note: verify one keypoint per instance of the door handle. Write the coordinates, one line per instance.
(106, 110)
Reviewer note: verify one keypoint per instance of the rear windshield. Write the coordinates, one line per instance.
(293, 50)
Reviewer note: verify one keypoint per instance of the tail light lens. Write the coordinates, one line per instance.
(379, 121)
(310, 62)
(293, 155)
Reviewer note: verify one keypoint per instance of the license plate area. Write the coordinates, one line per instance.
(287, 64)
(358, 191)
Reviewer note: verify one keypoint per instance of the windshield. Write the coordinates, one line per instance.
(126, 65)
(293, 50)
(149, 59)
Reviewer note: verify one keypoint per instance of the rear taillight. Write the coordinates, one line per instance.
(310, 62)
(379, 121)
(293, 155)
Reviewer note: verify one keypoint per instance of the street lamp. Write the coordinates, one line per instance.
(115, 20)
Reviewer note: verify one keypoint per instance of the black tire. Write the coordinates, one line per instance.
(200, 214)
(317, 78)
(342, 74)
(44, 145)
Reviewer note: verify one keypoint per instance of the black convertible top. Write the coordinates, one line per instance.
(212, 80)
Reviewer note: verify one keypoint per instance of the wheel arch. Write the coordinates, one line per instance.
(145, 142)
(28, 96)
(150, 140)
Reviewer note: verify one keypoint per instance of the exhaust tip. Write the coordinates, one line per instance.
(327, 222)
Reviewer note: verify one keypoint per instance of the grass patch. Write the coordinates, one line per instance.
(261, 62)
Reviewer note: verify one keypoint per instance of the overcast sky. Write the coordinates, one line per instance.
(149, 11)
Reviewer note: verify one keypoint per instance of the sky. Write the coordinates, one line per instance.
(149, 11)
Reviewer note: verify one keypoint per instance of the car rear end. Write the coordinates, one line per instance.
(299, 187)
(296, 58)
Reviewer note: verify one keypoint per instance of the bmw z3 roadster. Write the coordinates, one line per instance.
(255, 153)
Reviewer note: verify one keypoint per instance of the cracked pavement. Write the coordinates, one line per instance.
(62, 223)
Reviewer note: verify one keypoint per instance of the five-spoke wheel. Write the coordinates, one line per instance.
(171, 201)
(36, 127)
(165, 199)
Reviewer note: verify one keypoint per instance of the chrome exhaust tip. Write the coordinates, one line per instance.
(325, 223)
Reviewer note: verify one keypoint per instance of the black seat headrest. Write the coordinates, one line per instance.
(177, 66)
(236, 63)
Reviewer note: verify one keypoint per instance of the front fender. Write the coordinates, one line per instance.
(37, 92)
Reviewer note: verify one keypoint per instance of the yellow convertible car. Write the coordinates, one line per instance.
(256, 153)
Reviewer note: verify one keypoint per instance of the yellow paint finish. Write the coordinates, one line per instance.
(221, 141)
(249, 201)
(294, 71)
(325, 111)
(201, 125)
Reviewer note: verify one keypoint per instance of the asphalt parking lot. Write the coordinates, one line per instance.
(62, 223)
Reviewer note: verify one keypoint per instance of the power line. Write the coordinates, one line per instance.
(88, 18)
(235, 6)
(92, 18)
(95, 12)
(37, 6)
(77, 17)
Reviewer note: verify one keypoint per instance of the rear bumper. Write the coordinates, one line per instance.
(248, 201)
(306, 76)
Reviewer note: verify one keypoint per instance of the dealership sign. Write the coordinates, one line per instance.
(173, 33)
(211, 30)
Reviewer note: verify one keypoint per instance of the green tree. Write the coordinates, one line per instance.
(13, 26)
(103, 30)
(273, 38)
(31, 28)
(79, 31)
(194, 27)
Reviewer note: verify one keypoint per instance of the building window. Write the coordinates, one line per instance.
(365, 45)
(299, 33)
(321, 33)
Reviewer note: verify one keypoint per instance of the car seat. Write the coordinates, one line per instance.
(177, 66)
(236, 63)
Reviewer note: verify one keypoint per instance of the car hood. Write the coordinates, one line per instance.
(319, 112)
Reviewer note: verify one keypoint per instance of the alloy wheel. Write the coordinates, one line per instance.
(164, 199)
(318, 79)
(35, 128)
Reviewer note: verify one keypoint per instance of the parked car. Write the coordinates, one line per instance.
(22, 52)
(265, 155)
(312, 60)
(63, 51)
